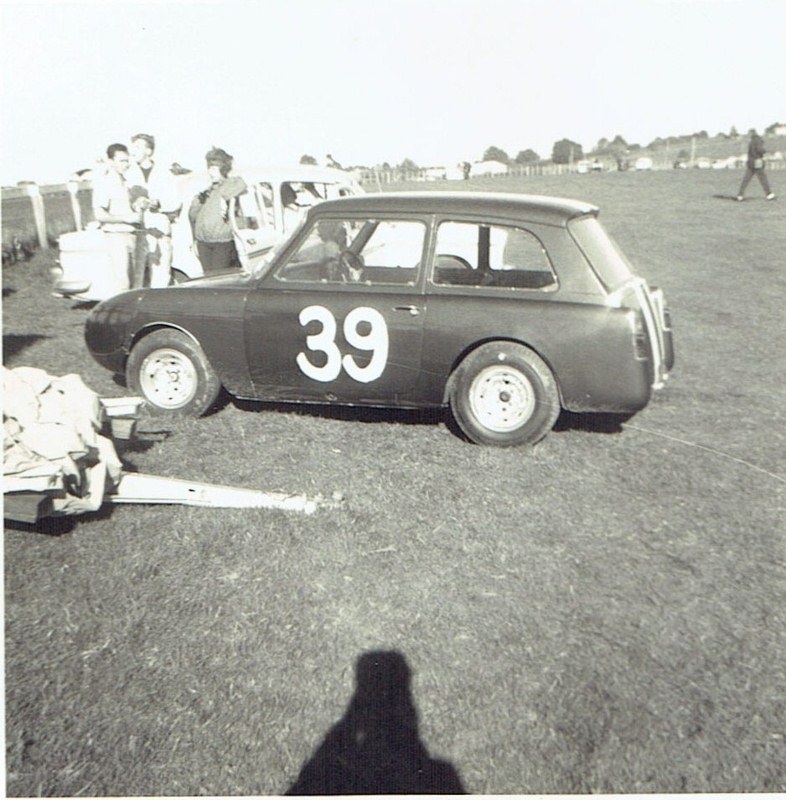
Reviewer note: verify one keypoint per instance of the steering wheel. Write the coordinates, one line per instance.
(350, 266)
(448, 260)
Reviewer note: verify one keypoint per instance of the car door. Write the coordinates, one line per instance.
(251, 217)
(313, 334)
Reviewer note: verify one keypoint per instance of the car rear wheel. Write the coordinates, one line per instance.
(173, 374)
(504, 394)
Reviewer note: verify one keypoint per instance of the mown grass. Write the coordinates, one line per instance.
(602, 613)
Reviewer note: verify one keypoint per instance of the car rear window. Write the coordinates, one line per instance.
(603, 253)
(472, 254)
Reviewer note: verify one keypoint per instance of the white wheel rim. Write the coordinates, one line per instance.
(168, 378)
(501, 398)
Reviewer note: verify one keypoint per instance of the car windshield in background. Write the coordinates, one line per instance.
(608, 261)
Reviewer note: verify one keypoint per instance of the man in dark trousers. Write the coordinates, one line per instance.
(755, 166)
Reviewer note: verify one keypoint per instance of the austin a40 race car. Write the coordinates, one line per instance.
(504, 307)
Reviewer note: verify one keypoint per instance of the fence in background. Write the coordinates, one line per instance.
(35, 216)
(378, 178)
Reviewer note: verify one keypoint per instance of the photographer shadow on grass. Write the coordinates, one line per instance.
(375, 747)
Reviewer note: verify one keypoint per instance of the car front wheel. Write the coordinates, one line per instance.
(504, 394)
(173, 374)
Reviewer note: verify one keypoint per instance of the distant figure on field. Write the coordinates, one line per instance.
(209, 214)
(120, 220)
(164, 204)
(755, 166)
(466, 168)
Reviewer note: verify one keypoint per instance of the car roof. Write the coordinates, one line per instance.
(534, 208)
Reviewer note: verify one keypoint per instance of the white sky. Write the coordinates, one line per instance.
(437, 81)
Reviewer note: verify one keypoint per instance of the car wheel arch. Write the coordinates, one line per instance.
(152, 327)
(496, 340)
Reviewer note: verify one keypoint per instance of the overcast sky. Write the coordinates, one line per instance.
(437, 81)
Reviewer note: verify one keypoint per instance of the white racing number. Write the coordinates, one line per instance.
(374, 340)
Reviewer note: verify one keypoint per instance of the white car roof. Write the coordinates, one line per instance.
(296, 173)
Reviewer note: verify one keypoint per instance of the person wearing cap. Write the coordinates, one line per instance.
(209, 214)
(155, 248)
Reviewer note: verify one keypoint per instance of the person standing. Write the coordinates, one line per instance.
(755, 166)
(119, 219)
(155, 248)
(209, 214)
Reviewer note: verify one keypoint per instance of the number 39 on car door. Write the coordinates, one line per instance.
(342, 318)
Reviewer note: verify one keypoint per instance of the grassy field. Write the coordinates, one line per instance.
(601, 613)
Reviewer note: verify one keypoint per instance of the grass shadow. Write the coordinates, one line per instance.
(591, 423)
(60, 525)
(140, 442)
(14, 344)
(368, 414)
(375, 748)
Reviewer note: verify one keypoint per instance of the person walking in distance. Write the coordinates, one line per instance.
(755, 166)
(119, 219)
(209, 214)
(155, 248)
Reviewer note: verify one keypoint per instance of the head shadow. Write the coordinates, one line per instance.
(375, 747)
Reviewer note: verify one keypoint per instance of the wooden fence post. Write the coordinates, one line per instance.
(34, 191)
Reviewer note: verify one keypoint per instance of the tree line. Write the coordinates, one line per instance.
(566, 151)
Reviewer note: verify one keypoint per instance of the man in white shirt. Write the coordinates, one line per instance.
(164, 203)
(120, 221)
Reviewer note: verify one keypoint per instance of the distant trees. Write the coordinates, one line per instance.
(527, 156)
(306, 159)
(566, 152)
(408, 165)
(496, 154)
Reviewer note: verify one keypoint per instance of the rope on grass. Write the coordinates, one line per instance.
(712, 450)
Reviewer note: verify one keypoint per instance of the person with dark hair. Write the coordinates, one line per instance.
(155, 248)
(290, 208)
(209, 214)
(755, 166)
(120, 217)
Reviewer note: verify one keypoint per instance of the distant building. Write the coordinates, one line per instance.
(489, 168)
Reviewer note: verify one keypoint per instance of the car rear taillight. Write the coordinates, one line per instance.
(641, 348)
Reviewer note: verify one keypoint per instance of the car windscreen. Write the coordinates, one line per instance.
(263, 266)
(603, 253)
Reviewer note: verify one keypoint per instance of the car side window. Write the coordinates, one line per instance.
(472, 254)
(360, 251)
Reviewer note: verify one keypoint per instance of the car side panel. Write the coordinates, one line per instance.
(588, 347)
(213, 316)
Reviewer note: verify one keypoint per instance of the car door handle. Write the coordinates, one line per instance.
(413, 310)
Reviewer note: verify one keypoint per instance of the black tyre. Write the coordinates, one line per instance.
(504, 394)
(172, 373)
